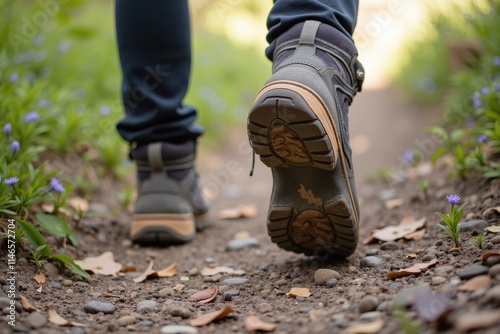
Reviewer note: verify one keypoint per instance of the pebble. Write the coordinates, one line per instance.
(340, 320)
(296, 281)
(495, 240)
(436, 280)
(318, 315)
(209, 260)
(281, 282)
(95, 307)
(146, 323)
(264, 308)
(235, 281)
(372, 251)
(55, 285)
(473, 271)
(331, 283)
(386, 257)
(495, 271)
(443, 270)
(146, 306)
(126, 320)
(67, 282)
(370, 262)
(193, 272)
(428, 257)
(386, 194)
(229, 294)
(178, 329)
(165, 292)
(50, 269)
(305, 309)
(473, 225)
(36, 320)
(492, 260)
(389, 245)
(368, 304)
(126, 243)
(493, 295)
(406, 297)
(177, 309)
(238, 244)
(321, 276)
(77, 330)
(370, 316)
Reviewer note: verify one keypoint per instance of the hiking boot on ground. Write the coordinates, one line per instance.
(298, 127)
(170, 206)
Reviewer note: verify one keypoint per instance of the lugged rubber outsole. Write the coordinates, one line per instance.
(162, 229)
(291, 130)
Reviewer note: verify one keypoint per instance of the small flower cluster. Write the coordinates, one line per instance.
(451, 220)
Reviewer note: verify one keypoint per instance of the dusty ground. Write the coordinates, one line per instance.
(357, 295)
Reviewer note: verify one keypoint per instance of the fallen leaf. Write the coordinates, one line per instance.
(393, 203)
(417, 268)
(58, 320)
(168, 271)
(302, 292)
(205, 319)
(431, 307)
(411, 256)
(241, 211)
(369, 328)
(490, 253)
(221, 270)
(242, 235)
(103, 264)
(79, 204)
(254, 324)
(477, 320)
(493, 229)
(453, 250)
(391, 233)
(417, 235)
(179, 287)
(40, 278)
(145, 274)
(49, 208)
(476, 283)
(204, 296)
(128, 269)
(27, 305)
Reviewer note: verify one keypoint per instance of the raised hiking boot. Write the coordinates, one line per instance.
(170, 206)
(298, 127)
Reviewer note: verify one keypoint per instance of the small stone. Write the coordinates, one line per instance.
(238, 244)
(133, 295)
(126, 243)
(370, 262)
(493, 295)
(126, 320)
(81, 283)
(386, 194)
(55, 285)
(77, 330)
(36, 320)
(177, 309)
(209, 260)
(318, 315)
(331, 283)
(235, 281)
(146, 306)
(305, 309)
(296, 281)
(281, 282)
(95, 307)
(50, 269)
(340, 320)
(495, 271)
(372, 251)
(473, 225)
(473, 271)
(406, 298)
(389, 245)
(428, 257)
(229, 294)
(386, 257)
(178, 329)
(321, 276)
(495, 240)
(193, 272)
(444, 270)
(146, 323)
(166, 292)
(492, 260)
(436, 280)
(368, 303)
(67, 282)
(264, 308)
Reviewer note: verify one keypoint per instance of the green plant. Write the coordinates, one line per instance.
(424, 185)
(451, 220)
(406, 323)
(37, 257)
(479, 240)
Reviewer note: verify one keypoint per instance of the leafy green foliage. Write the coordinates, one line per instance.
(451, 221)
(479, 240)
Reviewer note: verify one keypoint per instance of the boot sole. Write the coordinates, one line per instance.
(293, 132)
(162, 228)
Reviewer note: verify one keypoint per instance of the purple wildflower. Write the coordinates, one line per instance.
(7, 129)
(64, 46)
(453, 199)
(476, 100)
(11, 180)
(56, 185)
(44, 103)
(14, 77)
(105, 110)
(408, 156)
(470, 121)
(31, 116)
(497, 88)
(15, 147)
(496, 61)
(485, 90)
(482, 139)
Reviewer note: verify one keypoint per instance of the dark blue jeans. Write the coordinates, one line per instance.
(154, 45)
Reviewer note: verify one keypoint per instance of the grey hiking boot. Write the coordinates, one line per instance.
(298, 126)
(170, 206)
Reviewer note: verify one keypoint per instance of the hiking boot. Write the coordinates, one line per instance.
(170, 206)
(298, 127)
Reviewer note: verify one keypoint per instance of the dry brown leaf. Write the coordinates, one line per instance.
(254, 324)
(490, 253)
(493, 229)
(204, 296)
(453, 250)
(58, 320)
(417, 235)
(129, 269)
(241, 211)
(103, 264)
(303, 292)
(221, 270)
(79, 204)
(390, 233)
(205, 319)
(168, 271)
(149, 270)
(417, 268)
(179, 287)
(393, 203)
(477, 320)
(369, 328)
(27, 305)
(40, 278)
(476, 283)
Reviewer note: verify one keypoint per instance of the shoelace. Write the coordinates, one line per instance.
(253, 164)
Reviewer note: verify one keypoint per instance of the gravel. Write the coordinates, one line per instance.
(371, 262)
(95, 307)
